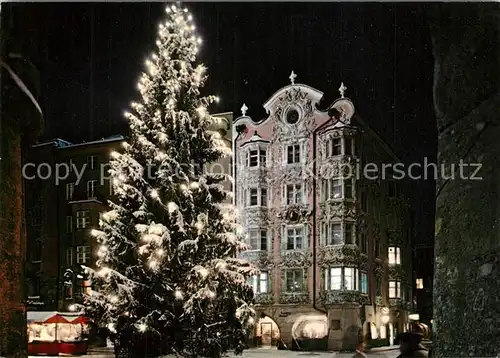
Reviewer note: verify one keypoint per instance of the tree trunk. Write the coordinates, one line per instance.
(467, 103)
(13, 340)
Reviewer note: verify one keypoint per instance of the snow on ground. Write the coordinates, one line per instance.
(264, 353)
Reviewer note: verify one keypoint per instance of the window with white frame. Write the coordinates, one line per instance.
(363, 282)
(394, 289)
(260, 282)
(338, 188)
(82, 219)
(258, 239)
(293, 153)
(333, 146)
(256, 157)
(295, 238)
(257, 197)
(342, 278)
(295, 280)
(420, 283)
(91, 162)
(394, 255)
(70, 189)
(335, 234)
(69, 257)
(69, 224)
(293, 194)
(83, 254)
(350, 278)
(91, 186)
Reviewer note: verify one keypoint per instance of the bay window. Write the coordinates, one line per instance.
(337, 233)
(256, 157)
(258, 239)
(394, 289)
(341, 278)
(394, 255)
(337, 188)
(260, 282)
(295, 280)
(257, 197)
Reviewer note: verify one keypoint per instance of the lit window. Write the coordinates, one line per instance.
(394, 289)
(335, 278)
(420, 283)
(293, 194)
(82, 219)
(341, 278)
(293, 154)
(70, 189)
(294, 280)
(258, 239)
(260, 283)
(394, 254)
(82, 254)
(295, 238)
(350, 281)
(86, 287)
(364, 282)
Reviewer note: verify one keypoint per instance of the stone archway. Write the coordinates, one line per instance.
(267, 332)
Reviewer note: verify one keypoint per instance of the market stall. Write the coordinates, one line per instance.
(54, 333)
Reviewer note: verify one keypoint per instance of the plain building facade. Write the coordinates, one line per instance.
(332, 244)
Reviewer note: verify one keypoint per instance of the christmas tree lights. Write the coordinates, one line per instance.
(167, 278)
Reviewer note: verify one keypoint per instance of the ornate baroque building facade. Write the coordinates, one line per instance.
(332, 242)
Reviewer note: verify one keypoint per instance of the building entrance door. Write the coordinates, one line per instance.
(266, 329)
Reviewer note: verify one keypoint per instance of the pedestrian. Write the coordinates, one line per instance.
(410, 346)
(360, 351)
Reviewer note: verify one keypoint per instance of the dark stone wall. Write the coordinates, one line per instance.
(467, 103)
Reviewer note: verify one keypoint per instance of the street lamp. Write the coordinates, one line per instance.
(385, 319)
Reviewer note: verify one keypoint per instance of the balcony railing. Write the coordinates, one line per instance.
(295, 298)
(335, 297)
(264, 299)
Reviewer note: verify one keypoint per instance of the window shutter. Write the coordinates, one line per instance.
(283, 194)
(284, 154)
(305, 198)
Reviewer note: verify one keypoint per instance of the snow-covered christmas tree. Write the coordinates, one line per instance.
(169, 280)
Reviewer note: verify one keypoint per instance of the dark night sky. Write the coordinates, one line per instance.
(90, 57)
